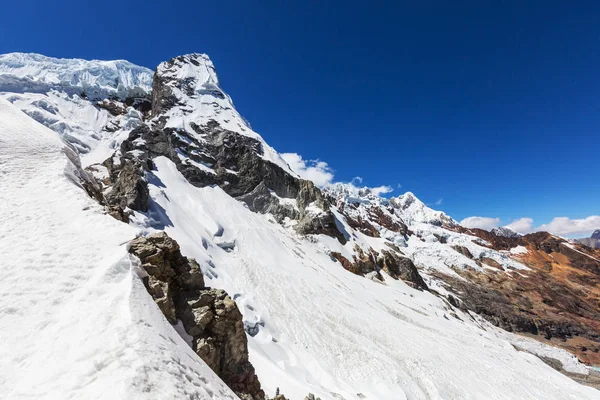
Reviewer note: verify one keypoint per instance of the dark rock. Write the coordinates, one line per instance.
(464, 251)
(323, 223)
(129, 187)
(261, 200)
(399, 267)
(210, 316)
(113, 107)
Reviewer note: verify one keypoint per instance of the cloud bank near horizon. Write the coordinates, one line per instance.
(562, 226)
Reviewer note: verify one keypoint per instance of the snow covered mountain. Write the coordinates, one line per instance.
(593, 241)
(505, 231)
(34, 73)
(80, 100)
(224, 274)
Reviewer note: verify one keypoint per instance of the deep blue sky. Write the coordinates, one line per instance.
(494, 108)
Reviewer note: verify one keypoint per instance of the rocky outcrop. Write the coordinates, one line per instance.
(496, 242)
(209, 316)
(463, 250)
(207, 154)
(395, 265)
(399, 267)
(128, 185)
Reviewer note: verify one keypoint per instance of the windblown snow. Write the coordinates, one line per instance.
(75, 322)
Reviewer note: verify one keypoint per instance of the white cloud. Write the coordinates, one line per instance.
(522, 225)
(379, 190)
(314, 170)
(439, 202)
(562, 226)
(322, 174)
(566, 227)
(480, 222)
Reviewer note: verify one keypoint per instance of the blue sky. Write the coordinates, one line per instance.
(495, 109)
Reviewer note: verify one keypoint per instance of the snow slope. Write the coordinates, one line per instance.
(324, 330)
(50, 90)
(75, 322)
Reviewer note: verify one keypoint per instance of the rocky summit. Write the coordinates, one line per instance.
(160, 248)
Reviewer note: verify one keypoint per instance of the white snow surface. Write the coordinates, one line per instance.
(50, 90)
(414, 210)
(91, 130)
(326, 331)
(75, 321)
(203, 100)
(517, 250)
(30, 72)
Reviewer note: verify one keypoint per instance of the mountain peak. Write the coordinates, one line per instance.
(414, 210)
(596, 234)
(196, 67)
(505, 231)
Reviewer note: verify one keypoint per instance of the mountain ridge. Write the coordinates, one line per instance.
(307, 266)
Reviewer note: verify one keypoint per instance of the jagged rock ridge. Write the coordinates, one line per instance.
(209, 316)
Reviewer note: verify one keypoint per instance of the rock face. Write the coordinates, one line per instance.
(399, 267)
(193, 123)
(505, 232)
(209, 316)
(557, 300)
(207, 153)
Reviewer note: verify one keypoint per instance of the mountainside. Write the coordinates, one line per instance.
(257, 274)
(593, 241)
(75, 322)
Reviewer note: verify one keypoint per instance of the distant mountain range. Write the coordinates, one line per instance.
(593, 241)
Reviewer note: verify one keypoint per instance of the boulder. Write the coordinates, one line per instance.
(210, 316)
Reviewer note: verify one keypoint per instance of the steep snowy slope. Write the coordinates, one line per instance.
(313, 325)
(74, 97)
(343, 294)
(75, 322)
(187, 95)
(322, 329)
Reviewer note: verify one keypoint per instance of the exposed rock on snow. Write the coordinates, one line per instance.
(128, 188)
(208, 154)
(75, 323)
(399, 267)
(209, 316)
